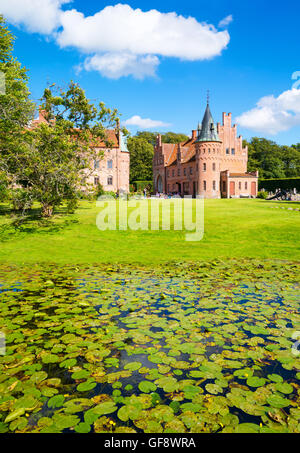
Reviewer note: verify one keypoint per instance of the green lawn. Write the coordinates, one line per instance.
(233, 229)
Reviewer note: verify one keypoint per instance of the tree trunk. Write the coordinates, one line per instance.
(47, 210)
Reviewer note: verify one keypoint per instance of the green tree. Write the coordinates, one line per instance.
(16, 110)
(172, 137)
(291, 160)
(141, 158)
(150, 137)
(169, 137)
(265, 155)
(273, 160)
(55, 156)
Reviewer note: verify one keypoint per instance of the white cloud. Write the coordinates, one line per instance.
(144, 123)
(120, 40)
(116, 65)
(41, 16)
(122, 29)
(226, 21)
(273, 115)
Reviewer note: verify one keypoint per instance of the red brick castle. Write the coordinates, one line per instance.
(212, 163)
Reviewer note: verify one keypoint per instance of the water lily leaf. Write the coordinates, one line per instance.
(275, 377)
(175, 426)
(62, 421)
(255, 381)
(82, 428)
(147, 386)
(278, 401)
(284, 387)
(18, 424)
(56, 401)
(69, 363)
(82, 374)
(38, 377)
(213, 388)
(14, 415)
(86, 386)
(247, 428)
(27, 402)
(132, 366)
(50, 358)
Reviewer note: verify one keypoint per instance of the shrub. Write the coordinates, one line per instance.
(262, 194)
(72, 205)
(139, 186)
(270, 185)
(21, 199)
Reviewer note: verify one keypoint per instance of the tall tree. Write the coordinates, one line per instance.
(172, 137)
(141, 158)
(55, 156)
(16, 110)
(169, 137)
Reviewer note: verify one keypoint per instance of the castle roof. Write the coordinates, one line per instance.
(208, 132)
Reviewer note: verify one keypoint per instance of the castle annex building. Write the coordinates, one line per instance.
(112, 170)
(212, 163)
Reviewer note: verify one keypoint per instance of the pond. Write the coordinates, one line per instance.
(186, 348)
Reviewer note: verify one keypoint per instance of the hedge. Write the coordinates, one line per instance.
(270, 185)
(139, 186)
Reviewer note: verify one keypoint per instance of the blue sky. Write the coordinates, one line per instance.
(165, 84)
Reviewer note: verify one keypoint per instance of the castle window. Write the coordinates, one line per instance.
(240, 185)
(233, 151)
(227, 150)
(173, 172)
(204, 185)
(208, 150)
(214, 185)
(110, 181)
(109, 164)
(191, 170)
(96, 164)
(184, 171)
(96, 181)
(246, 185)
(214, 166)
(204, 166)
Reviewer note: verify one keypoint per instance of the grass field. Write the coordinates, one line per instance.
(184, 337)
(233, 229)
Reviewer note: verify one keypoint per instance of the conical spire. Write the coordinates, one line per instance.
(208, 131)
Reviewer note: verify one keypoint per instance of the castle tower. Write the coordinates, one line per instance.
(208, 157)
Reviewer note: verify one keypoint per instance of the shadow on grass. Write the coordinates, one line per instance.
(33, 223)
